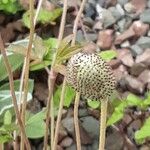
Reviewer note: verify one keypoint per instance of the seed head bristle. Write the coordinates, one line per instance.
(91, 76)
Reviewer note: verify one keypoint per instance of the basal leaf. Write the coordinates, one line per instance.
(7, 117)
(15, 60)
(44, 16)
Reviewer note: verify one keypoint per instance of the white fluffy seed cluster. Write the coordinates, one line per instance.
(91, 76)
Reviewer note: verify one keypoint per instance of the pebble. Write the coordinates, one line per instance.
(122, 2)
(66, 142)
(136, 50)
(129, 8)
(105, 39)
(145, 17)
(125, 44)
(88, 123)
(143, 42)
(145, 76)
(137, 68)
(134, 85)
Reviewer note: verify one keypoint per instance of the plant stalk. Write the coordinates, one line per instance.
(103, 117)
(76, 121)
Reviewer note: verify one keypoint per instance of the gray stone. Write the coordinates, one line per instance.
(148, 33)
(83, 112)
(145, 17)
(148, 3)
(115, 13)
(122, 2)
(73, 147)
(80, 36)
(107, 18)
(91, 125)
(114, 141)
(134, 85)
(120, 9)
(125, 44)
(121, 24)
(92, 36)
(136, 50)
(66, 142)
(145, 76)
(144, 58)
(129, 8)
(144, 42)
(68, 124)
(137, 68)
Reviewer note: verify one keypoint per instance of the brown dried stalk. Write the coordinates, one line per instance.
(52, 78)
(12, 90)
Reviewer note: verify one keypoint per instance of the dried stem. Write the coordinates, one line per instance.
(26, 64)
(103, 117)
(76, 104)
(76, 120)
(52, 79)
(59, 114)
(12, 90)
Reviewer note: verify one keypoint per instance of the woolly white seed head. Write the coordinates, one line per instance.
(90, 75)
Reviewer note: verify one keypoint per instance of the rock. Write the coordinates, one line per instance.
(122, 2)
(140, 28)
(127, 59)
(94, 112)
(83, 112)
(89, 10)
(66, 142)
(134, 85)
(125, 44)
(85, 137)
(144, 147)
(114, 63)
(114, 141)
(121, 23)
(124, 36)
(145, 17)
(41, 92)
(105, 39)
(92, 36)
(144, 58)
(120, 72)
(137, 68)
(58, 147)
(139, 5)
(98, 26)
(94, 145)
(144, 42)
(129, 8)
(148, 33)
(80, 36)
(145, 76)
(88, 21)
(62, 134)
(107, 18)
(88, 123)
(73, 147)
(68, 124)
(148, 3)
(110, 3)
(127, 119)
(136, 50)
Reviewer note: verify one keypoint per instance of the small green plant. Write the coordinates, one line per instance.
(10, 6)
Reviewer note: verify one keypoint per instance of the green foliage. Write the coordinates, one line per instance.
(44, 16)
(35, 125)
(144, 132)
(108, 54)
(10, 6)
(15, 61)
(69, 95)
(93, 104)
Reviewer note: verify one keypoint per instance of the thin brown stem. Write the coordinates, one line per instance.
(26, 64)
(52, 82)
(76, 123)
(12, 90)
(76, 120)
(59, 114)
(103, 117)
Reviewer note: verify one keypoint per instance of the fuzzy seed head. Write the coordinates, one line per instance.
(91, 76)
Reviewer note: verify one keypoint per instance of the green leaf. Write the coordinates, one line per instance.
(44, 16)
(108, 54)
(15, 60)
(6, 100)
(117, 114)
(144, 132)
(7, 118)
(35, 125)
(93, 104)
(6, 86)
(133, 100)
(69, 95)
